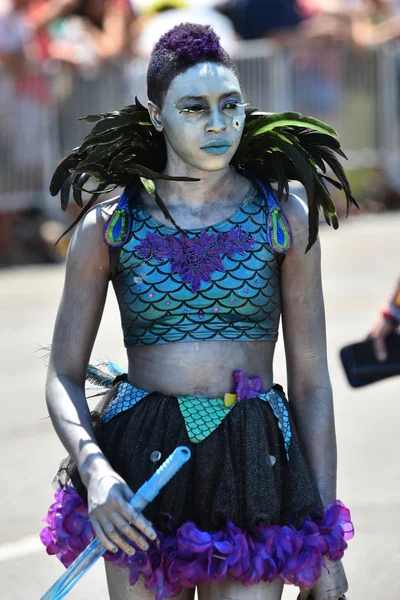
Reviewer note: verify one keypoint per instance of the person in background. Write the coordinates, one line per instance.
(294, 24)
(325, 22)
(375, 22)
(154, 18)
(91, 32)
(254, 19)
(91, 42)
(34, 35)
(25, 96)
(388, 322)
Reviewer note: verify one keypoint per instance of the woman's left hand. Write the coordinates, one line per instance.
(330, 586)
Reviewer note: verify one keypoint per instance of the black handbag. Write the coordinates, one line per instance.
(361, 366)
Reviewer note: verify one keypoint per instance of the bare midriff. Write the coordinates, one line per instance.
(198, 368)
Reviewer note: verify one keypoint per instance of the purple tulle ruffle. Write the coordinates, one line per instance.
(190, 556)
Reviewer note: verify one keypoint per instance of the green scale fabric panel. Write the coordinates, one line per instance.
(202, 416)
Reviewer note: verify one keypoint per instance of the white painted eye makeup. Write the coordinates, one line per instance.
(199, 108)
(191, 109)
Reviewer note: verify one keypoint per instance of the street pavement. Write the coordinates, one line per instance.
(360, 266)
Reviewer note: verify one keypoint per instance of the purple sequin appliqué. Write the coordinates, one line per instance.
(195, 259)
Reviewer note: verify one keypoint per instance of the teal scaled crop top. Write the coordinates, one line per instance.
(216, 283)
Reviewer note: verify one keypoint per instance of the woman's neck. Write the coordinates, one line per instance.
(212, 187)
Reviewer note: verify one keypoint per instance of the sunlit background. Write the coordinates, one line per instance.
(62, 59)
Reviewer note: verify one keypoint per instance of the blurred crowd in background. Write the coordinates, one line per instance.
(62, 59)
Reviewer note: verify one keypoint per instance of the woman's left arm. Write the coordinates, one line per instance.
(309, 386)
(303, 318)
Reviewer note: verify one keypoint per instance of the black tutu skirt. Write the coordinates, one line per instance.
(244, 505)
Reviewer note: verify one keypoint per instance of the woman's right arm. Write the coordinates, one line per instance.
(78, 319)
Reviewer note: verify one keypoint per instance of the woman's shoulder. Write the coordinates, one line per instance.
(101, 211)
(295, 209)
(294, 204)
(98, 215)
(89, 233)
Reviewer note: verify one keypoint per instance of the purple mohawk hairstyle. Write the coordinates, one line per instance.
(180, 48)
(189, 43)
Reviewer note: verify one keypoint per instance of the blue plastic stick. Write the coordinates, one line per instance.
(141, 499)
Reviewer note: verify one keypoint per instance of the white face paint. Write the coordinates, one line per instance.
(203, 117)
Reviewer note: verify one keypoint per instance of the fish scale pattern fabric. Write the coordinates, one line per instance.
(221, 282)
(202, 415)
(127, 396)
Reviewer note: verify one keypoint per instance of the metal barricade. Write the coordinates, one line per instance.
(103, 91)
(344, 89)
(358, 94)
(26, 139)
(39, 124)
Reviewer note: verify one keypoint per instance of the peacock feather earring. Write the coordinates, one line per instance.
(118, 227)
(279, 232)
(278, 229)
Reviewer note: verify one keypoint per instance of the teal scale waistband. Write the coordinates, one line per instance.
(202, 416)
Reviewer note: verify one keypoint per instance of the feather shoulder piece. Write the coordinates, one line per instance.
(284, 147)
(123, 147)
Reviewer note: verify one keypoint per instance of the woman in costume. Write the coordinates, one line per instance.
(203, 258)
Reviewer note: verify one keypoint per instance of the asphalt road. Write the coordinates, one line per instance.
(360, 264)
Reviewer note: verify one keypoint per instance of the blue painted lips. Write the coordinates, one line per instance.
(216, 146)
(216, 149)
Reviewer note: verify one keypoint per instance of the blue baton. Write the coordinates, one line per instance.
(145, 494)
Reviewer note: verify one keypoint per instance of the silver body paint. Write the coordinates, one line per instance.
(205, 368)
